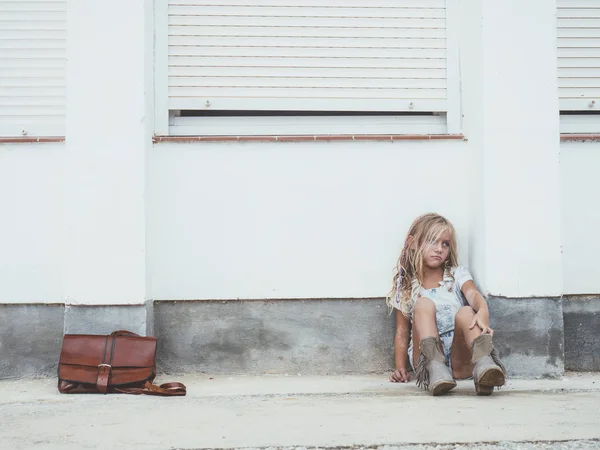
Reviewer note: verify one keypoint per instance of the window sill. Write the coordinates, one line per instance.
(30, 140)
(581, 137)
(312, 138)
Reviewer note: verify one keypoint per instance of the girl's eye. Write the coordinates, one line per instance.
(446, 244)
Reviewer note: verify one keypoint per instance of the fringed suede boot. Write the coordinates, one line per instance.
(432, 372)
(488, 370)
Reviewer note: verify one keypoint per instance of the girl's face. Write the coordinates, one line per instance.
(436, 252)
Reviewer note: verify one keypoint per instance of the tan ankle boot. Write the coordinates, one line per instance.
(432, 372)
(488, 370)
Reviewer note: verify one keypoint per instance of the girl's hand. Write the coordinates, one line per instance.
(482, 320)
(400, 376)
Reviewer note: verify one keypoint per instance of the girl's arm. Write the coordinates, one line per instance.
(478, 303)
(401, 349)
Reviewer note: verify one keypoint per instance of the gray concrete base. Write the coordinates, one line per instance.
(334, 336)
(87, 319)
(295, 336)
(529, 335)
(276, 336)
(582, 333)
(30, 339)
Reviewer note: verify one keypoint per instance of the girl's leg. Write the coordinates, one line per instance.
(431, 370)
(424, 324)
(462, 343)
(473, 354)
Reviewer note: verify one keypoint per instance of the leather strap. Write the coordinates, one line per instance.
(124, 333)
(164, 390)
(104, 368)
(103, 376)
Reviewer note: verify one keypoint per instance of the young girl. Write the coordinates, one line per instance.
(451, 335)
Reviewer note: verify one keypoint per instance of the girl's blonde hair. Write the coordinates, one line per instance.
(408, 274)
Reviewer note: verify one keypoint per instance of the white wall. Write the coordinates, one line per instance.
(31, 223)
(580, 201)
(328, 221)
(109, 128)
(292, 220)
(511, 119)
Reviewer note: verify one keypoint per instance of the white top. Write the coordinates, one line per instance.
(448, 298)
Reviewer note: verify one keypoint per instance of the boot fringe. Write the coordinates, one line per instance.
(496, 358)
(422, 373)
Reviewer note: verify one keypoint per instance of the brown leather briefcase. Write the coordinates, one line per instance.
(121, 362)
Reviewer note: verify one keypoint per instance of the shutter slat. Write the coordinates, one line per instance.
(33, 34)
(32, 67)
(33, 25)
(566, 14)
(356, 43)
(579, 72)
(336, 55)
(184, 63)
(578, 62)
(578, 54)
(33, 101)
(43, 125)
(306, 82)
(316, 3)
(592, 42)
(307, 92)
(15, 82)
(31, 91)
(577, 33)
(9, 17)
(305, 72)
(22, 73)
(348, 22)
(304, 11)
(32, 7)
(574, 4)
(35, 110)
(588, 83)
(344, 101)
(316, 53)
(588, 52)
(291, 31)
(575, 93)
(33, 64)
(33, 44)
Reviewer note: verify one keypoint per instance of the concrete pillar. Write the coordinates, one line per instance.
(108, 132)
(512, 123)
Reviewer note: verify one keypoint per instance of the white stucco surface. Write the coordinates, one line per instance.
(31, 223)
(109, 126)
(293, 220)
(580, 203)
(512, 124)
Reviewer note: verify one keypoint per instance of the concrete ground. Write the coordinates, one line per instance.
(305, 412)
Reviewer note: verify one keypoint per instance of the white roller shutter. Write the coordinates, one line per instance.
(350, 55)
(579, 55)
(32, 67)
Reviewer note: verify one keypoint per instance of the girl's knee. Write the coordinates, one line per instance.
(424, 305)
(464, 314)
